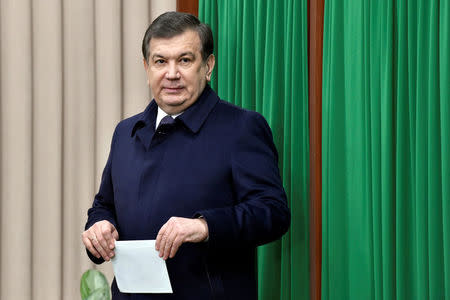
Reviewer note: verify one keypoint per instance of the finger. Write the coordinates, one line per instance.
(112, 244)
(115, 234)
(87, 243)
(104, 252)
(105, 238)
(164, 240)
(100, 249)
(176, 244)
(109, 240)
(159, 236)
(169, 242)
(102, 233)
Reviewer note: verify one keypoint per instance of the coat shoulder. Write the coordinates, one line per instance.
(126, 125)
(238, 114)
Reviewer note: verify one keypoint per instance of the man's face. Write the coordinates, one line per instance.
(176, 71)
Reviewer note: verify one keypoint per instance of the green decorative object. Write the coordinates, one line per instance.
(94, 286)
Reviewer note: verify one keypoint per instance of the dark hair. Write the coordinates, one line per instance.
(173, 23)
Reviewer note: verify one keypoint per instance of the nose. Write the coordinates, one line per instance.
(172, 71)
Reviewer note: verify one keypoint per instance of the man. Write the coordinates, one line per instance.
(195, 173)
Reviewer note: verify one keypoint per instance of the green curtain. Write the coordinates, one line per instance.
(261, 64)
(386, 150)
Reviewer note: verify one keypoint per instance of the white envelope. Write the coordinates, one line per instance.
(139, 269)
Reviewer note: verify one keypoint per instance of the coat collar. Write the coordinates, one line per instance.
(146, 119)
(195, 115)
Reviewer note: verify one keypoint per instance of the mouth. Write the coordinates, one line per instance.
(172, 90)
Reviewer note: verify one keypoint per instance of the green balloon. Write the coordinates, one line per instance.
(94, 286)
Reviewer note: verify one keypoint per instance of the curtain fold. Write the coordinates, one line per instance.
(261, 64)
(385, 150)
(69, 71)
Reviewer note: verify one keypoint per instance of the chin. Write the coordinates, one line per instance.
(173, 101)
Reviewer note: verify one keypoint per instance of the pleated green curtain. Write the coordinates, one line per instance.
(386, 150)
(261, 64)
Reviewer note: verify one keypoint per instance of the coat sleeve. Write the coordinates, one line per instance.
(261, 213)
(103, 205)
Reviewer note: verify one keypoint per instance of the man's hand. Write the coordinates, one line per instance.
(177, 231)
(100, 239)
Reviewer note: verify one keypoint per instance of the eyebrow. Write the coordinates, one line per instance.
(156, 55)
(187, 53)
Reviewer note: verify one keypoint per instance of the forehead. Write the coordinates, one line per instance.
(188, 41)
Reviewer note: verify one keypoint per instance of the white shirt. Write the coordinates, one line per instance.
(161, 114)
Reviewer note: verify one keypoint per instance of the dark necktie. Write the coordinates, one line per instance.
(165, 125)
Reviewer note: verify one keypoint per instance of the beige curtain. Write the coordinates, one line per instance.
(70, 70)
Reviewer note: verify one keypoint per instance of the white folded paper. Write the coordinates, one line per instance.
(139, 269)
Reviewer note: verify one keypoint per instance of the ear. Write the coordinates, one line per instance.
(210, 62)
(146, 69)
(145, 64)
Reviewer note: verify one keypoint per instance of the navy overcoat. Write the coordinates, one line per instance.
(219, 162)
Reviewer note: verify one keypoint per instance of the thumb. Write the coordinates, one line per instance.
(114, 233)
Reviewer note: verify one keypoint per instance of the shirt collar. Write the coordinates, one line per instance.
(161, 114)
(193, 117)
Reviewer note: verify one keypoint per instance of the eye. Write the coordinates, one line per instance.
(159, 61)
(185, 60)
